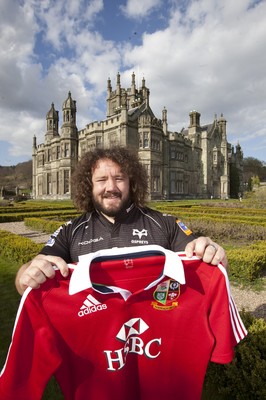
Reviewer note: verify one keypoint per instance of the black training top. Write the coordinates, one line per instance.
(133, 227)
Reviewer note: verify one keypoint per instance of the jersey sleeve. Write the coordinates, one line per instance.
(225, 321)
(32, 357)
(180, 234)
(59, 243)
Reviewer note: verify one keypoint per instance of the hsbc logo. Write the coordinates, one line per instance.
(138, 233)
(129, 334)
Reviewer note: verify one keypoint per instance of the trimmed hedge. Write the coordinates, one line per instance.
(249, 262)
(20, 216)
(17, 248)
(245, 377)
(43, 225)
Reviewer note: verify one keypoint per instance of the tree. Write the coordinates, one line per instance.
(253, 167)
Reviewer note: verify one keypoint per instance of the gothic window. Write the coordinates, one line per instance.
(66, 181)
(176, 182)
(49, 183)
(155, 144)
(40, 160)
(113, 139)
(98, 141)
(57, 182)
(83, 148)
(172, 152)
(57, 152)
(66, 149)
(155, 184)
(172, 182)
(49, 157)
(145, 140)
(39, 185)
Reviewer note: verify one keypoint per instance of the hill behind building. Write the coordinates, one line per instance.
(16, 176)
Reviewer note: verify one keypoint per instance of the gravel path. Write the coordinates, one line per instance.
(254, 302)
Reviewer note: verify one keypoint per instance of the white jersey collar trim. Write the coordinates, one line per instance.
(80, 279)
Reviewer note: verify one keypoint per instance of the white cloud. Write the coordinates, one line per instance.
(214, 64)
(210, 57)
(139, 9)
(62, 19)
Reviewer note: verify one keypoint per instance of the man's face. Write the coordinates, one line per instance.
(110, 188)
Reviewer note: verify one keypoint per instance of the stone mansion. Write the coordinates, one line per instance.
(193, 163)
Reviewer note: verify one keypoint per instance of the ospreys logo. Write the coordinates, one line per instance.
(137, 232)
(129, 334)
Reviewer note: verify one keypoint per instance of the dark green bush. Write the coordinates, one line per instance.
(17, 248)
(249, 262)
(43, 225)
(245, 377)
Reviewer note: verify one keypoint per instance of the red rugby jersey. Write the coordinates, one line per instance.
(130, 323)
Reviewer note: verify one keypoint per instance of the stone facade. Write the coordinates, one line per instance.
(193, 163)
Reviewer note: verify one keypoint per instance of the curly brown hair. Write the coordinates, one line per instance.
(130, 165)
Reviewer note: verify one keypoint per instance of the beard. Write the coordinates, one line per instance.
(112, 210)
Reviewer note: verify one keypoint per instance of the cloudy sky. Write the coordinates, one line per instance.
(204, 55)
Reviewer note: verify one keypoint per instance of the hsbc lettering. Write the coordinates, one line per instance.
(117, 359)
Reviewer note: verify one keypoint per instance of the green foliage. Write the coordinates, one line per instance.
(9, 301)
(20, 216)
(255, 180)
(245, 377)
(43, 225)
(229, 232)
(249, 262)
(17, 248)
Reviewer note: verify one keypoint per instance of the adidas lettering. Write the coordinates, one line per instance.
(93, 309)
(90, 305)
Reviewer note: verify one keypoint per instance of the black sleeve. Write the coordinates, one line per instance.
(180, 234)
(176, 233)
(59, 243)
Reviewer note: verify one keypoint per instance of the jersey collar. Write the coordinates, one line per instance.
(80, 279)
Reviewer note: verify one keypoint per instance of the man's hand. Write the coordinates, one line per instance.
(35, 272)
(208, 250)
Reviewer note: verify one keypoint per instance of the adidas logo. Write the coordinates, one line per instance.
(90, 305)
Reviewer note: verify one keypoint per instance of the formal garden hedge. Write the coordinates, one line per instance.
(242, 233)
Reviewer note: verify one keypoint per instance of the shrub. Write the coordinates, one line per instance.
(43, 225)
(249, 262)
(17, 248)
(245, 377)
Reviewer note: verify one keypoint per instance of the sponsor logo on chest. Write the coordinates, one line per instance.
(140, 234)
(93, 240)
(130, 335)
(91, 305)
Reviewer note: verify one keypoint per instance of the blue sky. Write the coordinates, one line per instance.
(204, 55)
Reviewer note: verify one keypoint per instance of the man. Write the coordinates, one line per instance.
(110, 187)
